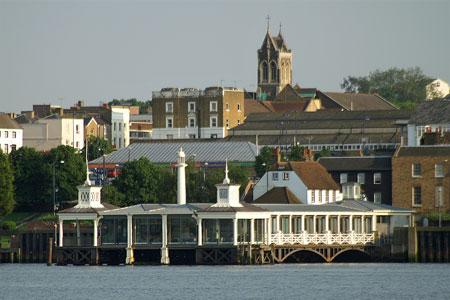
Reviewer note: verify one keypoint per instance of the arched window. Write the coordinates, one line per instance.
(265, 71)
(273, 71)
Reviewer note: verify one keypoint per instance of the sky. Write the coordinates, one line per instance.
(60, 52)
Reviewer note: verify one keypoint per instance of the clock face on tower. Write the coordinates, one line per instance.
(223, 194)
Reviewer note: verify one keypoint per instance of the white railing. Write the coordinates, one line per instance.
(328, 238)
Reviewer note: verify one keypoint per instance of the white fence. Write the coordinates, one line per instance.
(321, 238)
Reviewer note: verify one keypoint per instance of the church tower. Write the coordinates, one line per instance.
(274, 66)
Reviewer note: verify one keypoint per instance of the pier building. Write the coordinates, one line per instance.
(224, 232)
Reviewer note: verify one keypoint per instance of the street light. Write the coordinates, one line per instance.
(204, 171)
(54, 184)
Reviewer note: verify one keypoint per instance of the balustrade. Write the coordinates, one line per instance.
(321, 238)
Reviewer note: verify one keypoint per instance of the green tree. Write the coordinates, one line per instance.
(324, 153)
(239, 175)
(112, 195)
(97, 148)
(195, 184)
(403, 87)
(32, 179)
(6, 186)
(143, 106)
(140, 181)
(297, 153)
(69, 175)
(263, 161)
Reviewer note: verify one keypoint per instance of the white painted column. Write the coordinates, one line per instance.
(363, 223)
(252, 231)
(374, 223)
(269, 230)
(327, 223)
(350, 223)
(95, 232)
(302, 225)
(314, 225)
(200, 232)
(164, 250)
(278, 223)
(235, 232)
(61, 232)
(130, 254)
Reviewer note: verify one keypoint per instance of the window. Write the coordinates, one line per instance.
(334, 196)
(169, 107)
(273, 71)
(265, 71)
(114, 126)
(343, 177)
(77, 129)
(417, 196)
(439, 200)
(416, 170)
(227, 123)
(313, 196)
(320, 196)
(13, 147)
(120, 127)
(377, 178)
(191, 107)
(227, 107)
(285, 176)
(169, 122)
(327, 196)
(120, 143)
(14, 134)
(439, 170)
(92, 131)
(239, 122)
(361, 178)
(239, 107)
(213, 106)
(0, 133)
(213, 121)
(6, 135)
(274, 176)
(191, 122)
(77, 144)
(6, 149)
(377, 197)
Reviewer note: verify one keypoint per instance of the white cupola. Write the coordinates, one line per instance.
(227, 193)
(89, 196)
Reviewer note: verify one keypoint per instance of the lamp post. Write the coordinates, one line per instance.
(54, 184)
(204, 171)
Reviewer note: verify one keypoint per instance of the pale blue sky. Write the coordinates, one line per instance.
(54, 52)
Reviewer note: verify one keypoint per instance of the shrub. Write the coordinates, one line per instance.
(8, 225)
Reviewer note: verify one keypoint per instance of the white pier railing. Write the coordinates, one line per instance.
(328, 238)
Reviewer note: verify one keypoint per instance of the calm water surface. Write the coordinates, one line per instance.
(293, 281)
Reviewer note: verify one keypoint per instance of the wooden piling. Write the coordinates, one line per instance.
(50, 251)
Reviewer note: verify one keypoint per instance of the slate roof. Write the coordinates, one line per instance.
(313, 175)
(356, 101)
(430, 151)
(246, 207)
(356, 163)
(287, 106)
(278, 195)
(167, 151)
(74, 210)
(254, 106)
(431, 112)
(7, 123)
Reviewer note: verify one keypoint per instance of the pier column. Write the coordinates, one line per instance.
(95, 232)
(130, 254)
(61, 232)
(338, 224)
(252, 231)
(164, 250)
(200, 232)
(269, 230)
(78, 234)
(302, 225)
(235, 232)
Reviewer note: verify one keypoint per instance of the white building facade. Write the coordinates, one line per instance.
(120, 126)
(11, 134)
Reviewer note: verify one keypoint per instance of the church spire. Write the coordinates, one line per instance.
(226, 180)
(268, 23)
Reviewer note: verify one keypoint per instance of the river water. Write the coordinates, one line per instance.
(284, 281)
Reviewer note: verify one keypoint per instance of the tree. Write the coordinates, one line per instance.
(140, 181)
(297, 153)
(403, 87)
(144, 107)
(32, 179)
(239, 175)
(69, 175)
(97, 147)
(324, 153)
(6, 186)
(263, 161)
(195, 184)
(111, 195)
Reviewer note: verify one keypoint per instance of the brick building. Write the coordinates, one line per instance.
(193, 113)
(420, 178)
